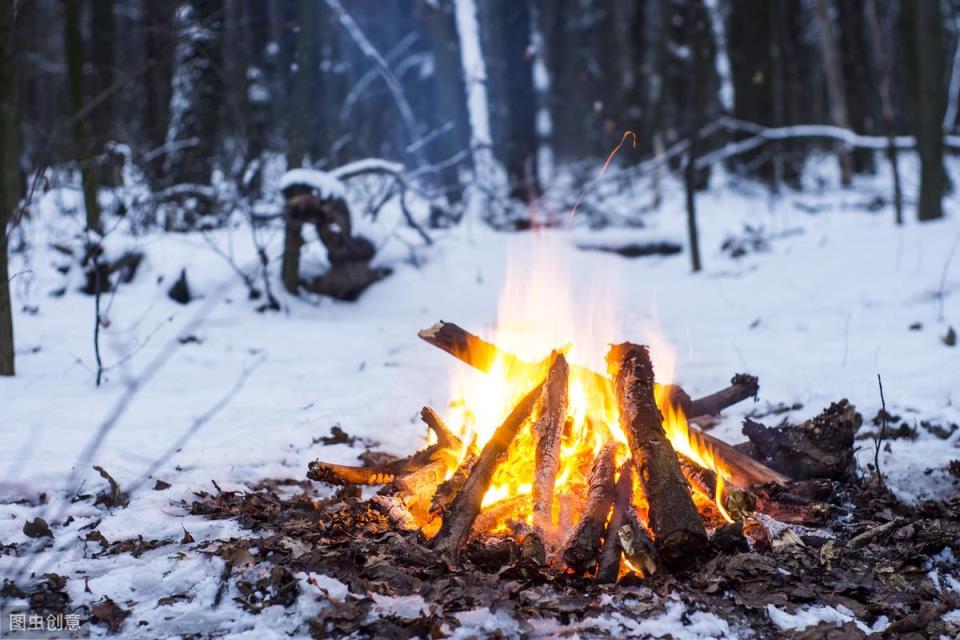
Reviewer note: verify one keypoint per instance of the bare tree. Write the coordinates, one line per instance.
(9, 180)
(930, 105)
(73, 48)
(886, 98)
(836, 90)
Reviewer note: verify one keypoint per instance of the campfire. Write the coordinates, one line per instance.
(583, 453)
(595, 474)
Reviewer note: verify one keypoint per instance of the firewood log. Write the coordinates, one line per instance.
(677, 528)
(482, 355)
(583, 545)
(743, 470)
(609, 566)
(742, 386)
(385, 474)
(450, 487)
(549, 431)
(738, 503)
(462, 511)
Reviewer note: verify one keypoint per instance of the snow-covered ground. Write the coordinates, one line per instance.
(840, 296)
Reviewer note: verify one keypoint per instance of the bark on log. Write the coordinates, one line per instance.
(583, 545)
(609, 567)
(738, 503)
(346, 474)
(677, 528)
(549, 431)
(463, 510)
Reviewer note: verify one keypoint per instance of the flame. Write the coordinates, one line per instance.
(538, 312)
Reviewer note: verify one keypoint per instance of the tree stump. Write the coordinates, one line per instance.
(350, 272)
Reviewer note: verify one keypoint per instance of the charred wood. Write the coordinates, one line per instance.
(819, 448)
(677, 528)
(609, 567)
(583, 545)
(737, 502)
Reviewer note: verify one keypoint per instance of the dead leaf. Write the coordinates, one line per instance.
(108, 613)
(37, 528)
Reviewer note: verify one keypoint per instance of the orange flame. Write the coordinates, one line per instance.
(538, 313)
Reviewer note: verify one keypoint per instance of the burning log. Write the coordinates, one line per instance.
(462, 511)
(737, 502)
(448, 445)
(450, 487)
(743, 470)
(583, 545)
(549, 430)
(343, 474)
(482, 355)
(677, 527)
(609, 567)
(446, 439)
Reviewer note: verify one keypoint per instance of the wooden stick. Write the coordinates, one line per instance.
(450, 487)
(679, 532)
(609, 566)
(446, 438)
(342, 474)
(459, 516)
(737, 502)
(583, 545)
(345, 474)
(549, 431)
(742, 386)
(743, 470)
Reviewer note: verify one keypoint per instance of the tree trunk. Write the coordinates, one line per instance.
(930, 106)
(520, 145)
(478, 108)
(73, 49)
(304, 79)
(836, 90)
(156, 28)
(882, 69)
(197, 92)
(697, 81)
(9, 178)
(448, 93)
(104, 37)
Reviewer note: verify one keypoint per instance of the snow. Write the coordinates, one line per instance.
(816, 317)
(326, 185)
(812, 615)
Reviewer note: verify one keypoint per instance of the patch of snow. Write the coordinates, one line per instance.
(812, 615)
(326, 185)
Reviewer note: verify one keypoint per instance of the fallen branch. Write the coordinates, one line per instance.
(462, 511)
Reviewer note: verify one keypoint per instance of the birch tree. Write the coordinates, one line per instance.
(487, 174)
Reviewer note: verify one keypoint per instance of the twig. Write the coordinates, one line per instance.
(883, 432)
(96, 309)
